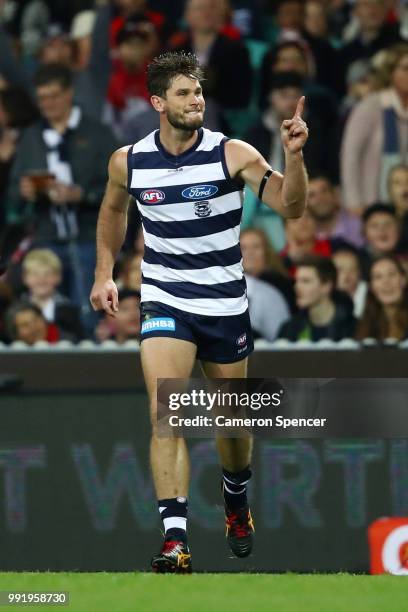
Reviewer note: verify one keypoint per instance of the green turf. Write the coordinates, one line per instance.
(123, 592)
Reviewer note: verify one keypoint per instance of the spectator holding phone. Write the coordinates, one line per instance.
(68, 153)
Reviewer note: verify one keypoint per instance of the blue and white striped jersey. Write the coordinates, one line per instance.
(191, 212)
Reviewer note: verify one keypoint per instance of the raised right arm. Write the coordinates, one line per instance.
(110, 233)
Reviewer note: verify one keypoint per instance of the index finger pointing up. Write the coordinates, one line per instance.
(300, 107)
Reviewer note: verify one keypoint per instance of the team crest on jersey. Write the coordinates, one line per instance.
(202, 209)
(198, 192)
(152, 196)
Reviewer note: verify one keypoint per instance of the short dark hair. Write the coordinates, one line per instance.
(14, 310)
(318, 175)
(19, 107)
(50, 73)
(342, 246)
(379, 207)
(164, 68)
(282, 80)
(324, 266)
(135, 27)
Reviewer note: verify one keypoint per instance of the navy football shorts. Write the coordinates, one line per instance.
(218, 339)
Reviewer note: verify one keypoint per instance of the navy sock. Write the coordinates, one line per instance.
(234, 488)
(173, 512)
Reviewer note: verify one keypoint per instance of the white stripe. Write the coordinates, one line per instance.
(193, 246)
(203, 276)
(191, 175)
(219, 307)
(175, 521)
(235, 483)
(146, 145)
(233, 492)
(185, 211)
(210, 140)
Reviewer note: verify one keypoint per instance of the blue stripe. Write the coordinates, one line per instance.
(391, 138)
(193, 228)
(173, 193)
(154, 160)
(232, 289)
(226, 257)
(180, 159)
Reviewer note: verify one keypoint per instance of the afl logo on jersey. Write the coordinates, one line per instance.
(241, 340)
(152, 196)
(202, 209)
(198, 192)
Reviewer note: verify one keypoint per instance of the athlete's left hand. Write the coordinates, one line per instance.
(294, 132)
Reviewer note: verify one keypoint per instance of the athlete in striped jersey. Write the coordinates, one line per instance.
(188, 184)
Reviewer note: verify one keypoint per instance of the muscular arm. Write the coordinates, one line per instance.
(110, 233)
(284, 193)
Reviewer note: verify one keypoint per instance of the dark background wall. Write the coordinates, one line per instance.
(76, 493)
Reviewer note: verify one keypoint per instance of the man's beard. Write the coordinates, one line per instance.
(178, 123)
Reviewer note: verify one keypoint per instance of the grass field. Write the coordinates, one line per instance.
(123, 592)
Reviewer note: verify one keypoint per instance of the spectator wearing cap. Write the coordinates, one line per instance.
(320, 316)
(128, 97)
(331, 220)
(125, 325)
(280, 103)
(58, 179)
(25, 322)
(374, 138)
(294, 55)
(286, 89)
(135, 10)
(290, 20)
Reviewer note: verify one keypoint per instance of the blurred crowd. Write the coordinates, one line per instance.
(73, 89)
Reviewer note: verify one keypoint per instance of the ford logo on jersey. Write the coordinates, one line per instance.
(152, 196)
(198, 192)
